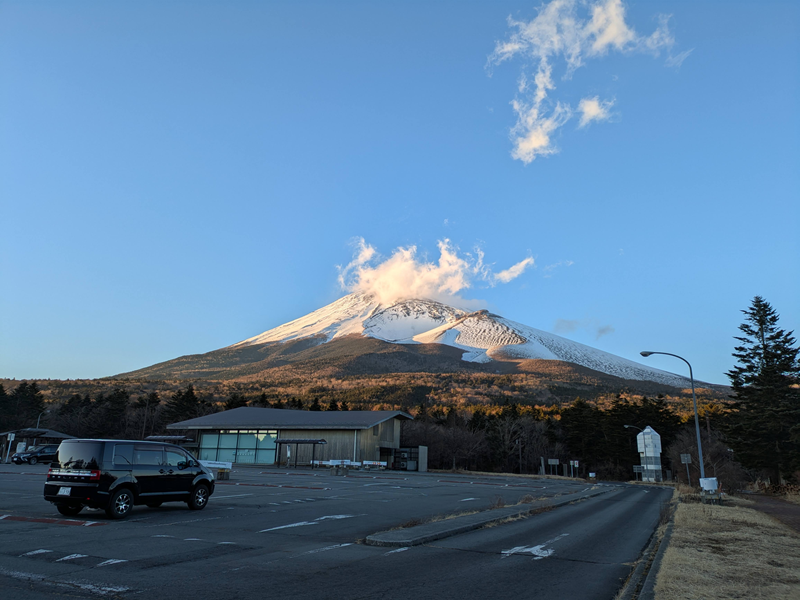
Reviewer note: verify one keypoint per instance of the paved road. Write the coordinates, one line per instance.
(296, 535)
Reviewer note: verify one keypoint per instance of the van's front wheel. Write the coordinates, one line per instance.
(199, 497)
(120, 504)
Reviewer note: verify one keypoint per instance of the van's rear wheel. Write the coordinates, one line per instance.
(70, 510)
(120, 504)
(199, 497)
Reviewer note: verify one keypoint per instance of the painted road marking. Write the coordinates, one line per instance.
(111, 561)
(35, 552)
(403, 549)
(232, 496)
(163, 536)
(314, 522)
(192, 539)
(72, 557)
(326, 548)
(300, 524)
(467, 499)
(539, 552)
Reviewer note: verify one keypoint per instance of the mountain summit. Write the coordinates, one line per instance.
(481, 337)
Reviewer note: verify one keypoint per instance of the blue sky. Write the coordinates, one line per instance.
(176, 177)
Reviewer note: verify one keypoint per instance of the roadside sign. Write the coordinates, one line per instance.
(552, 461)
(576, 463)
(686, 459)
(11, 437)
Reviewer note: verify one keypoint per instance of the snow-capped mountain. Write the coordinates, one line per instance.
(482, 336)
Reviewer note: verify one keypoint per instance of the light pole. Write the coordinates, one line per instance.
(39, 418)
(645, 446)
(646, 353)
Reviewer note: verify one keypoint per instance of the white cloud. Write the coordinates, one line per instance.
(405, 275)
(592, 109)
(677, 61)
(563, 31)
(515, 271)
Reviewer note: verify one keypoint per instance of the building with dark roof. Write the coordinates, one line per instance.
(251, 435)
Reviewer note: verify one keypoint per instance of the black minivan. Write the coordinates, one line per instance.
(117, 474)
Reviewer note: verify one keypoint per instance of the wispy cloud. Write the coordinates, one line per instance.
(548, 270)
(604, 330)
(566, 33)
(565, 326)
(677, 61)
(406, 275)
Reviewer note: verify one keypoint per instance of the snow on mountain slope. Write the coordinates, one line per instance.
(482, 335)
(361, 314)
(343, 317)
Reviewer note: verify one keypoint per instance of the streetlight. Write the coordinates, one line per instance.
(646, 353)
(645, 446)
(39, 418)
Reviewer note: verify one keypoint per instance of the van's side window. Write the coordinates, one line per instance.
(148, 455)
(176, 458)
(123, 454)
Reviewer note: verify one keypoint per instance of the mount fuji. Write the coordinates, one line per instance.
(412, 330)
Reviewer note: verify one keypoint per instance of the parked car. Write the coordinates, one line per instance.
(115, 475)
(36, 454)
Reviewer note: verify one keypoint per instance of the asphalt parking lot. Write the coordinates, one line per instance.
(270, 532)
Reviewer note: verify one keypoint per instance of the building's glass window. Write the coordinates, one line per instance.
(265, 453)
(208, 446)
(247, 446)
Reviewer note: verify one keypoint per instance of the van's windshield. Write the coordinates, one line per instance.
(79, 455)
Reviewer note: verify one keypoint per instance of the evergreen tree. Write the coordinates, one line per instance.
(332, 405)
(236, 400)
(26, 404)
(315, 404)
(183, 405)
(263, 401)
(765, 420)
(278, 404)
(344, 406)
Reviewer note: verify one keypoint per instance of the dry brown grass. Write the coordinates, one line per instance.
(724, 552)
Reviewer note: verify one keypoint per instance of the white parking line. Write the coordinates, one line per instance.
(467, 499)
(403, 549)
(35, 552)
(314, 522)
(300, 524)
(326, 548)
(232, 496)
(72, 557)
(111, 561)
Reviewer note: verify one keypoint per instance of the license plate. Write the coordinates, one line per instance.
(64, 491)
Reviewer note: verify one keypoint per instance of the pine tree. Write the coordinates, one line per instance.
(183, 405)
(332, 405)
(236, 400)
(315, 404)
(765, 421)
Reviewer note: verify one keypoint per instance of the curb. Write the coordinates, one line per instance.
(648, 589)
(641, 582)
(428, 532)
